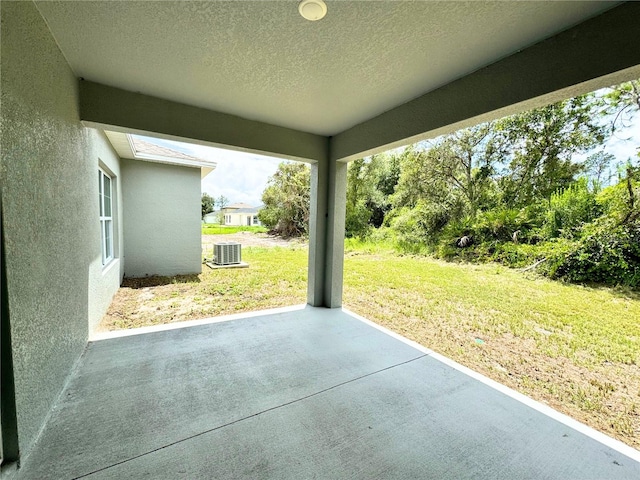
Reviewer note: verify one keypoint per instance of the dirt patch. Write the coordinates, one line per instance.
(267, 283)
(250, 239)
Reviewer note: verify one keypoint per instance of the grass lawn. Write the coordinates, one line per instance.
(213, 229)
(574, 348)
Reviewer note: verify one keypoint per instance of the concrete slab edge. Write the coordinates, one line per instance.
(606, 440)
(97, 336)
(213, 266)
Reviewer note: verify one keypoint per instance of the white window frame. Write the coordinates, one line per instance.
(106, 221)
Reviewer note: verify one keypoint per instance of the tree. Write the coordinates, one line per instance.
(222, 202)
(287, 200)
(454, 173)
(542, 143)
(359, 188)
(370, 183)
(466, 162)
(207, 204)
(416, 181)
(423, 202)
(597, 167)
(384, 170)
(622, 102)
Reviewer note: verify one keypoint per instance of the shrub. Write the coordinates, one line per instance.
(357, 220)
(615, 202)
(419, 229)
(501, 224)
(569, 210)
(608, 253)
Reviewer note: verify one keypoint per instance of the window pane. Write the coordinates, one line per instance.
(102, 241)
(108, 242)
(100, 196)
(106, 224)
(107, 196)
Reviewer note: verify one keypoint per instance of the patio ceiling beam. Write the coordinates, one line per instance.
(596, 53)
(115, 109)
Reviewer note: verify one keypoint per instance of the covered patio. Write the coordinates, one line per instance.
(302, 392)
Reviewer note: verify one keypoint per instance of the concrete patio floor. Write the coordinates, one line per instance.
(302, 393)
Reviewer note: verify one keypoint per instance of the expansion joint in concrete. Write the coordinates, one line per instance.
(257, 414)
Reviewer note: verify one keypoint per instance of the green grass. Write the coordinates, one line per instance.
(573, 347)
(491, 300)
(212, 229)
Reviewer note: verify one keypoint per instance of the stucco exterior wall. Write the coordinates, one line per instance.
(50, 215)
(240, 219)
(212, 218)
(104, 281)
(162, 222)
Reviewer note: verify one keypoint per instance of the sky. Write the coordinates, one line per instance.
(242, 177)
(624, 143)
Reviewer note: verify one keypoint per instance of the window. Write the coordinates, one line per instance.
(255, 220)
(106, 217)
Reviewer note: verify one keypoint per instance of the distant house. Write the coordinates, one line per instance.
(241, 214)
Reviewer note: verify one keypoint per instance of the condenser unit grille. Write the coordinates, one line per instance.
(227, 253)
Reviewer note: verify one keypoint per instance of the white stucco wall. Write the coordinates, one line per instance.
(212, 218)
(104, 280)
(240, 219)
(161, 225)
(50, 216)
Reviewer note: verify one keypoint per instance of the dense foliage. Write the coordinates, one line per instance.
(533, 190)
(286, 200)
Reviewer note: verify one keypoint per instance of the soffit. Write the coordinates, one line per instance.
(263, 61)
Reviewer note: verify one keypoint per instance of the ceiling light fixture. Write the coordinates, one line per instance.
(312, 10)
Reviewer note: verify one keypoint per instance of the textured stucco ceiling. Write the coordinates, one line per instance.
(263, 61)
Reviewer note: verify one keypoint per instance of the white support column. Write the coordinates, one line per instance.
(326, 233)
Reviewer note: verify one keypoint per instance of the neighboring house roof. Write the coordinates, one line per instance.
(253, 210)
(135, 148)
(242, 208)
(237, 205)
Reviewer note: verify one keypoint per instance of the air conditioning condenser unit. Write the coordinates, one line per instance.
(227, 253)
